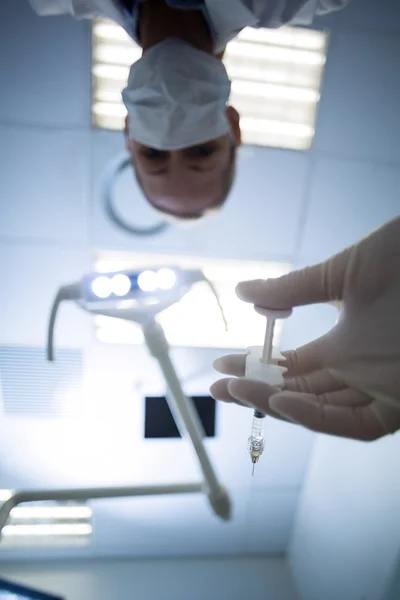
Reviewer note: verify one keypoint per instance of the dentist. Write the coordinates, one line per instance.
(181, 131)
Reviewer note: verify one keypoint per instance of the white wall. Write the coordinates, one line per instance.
(347, 533)
(217, 579)
(347, 530)
(393, 588)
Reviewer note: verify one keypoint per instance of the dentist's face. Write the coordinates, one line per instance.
(191, 181)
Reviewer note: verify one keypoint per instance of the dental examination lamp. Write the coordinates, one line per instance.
(139, 296)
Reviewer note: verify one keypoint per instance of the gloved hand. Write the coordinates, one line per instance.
(347, 382)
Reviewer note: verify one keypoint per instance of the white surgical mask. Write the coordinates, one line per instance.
(176, 97)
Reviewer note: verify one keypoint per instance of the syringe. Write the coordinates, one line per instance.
(266, 370)
(256, 439)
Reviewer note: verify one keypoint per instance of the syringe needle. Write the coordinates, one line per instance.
(254, 464)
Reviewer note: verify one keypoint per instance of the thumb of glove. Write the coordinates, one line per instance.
(323, 282)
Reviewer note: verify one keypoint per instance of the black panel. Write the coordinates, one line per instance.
(159, 422)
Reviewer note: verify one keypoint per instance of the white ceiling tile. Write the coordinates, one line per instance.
(347, 201)
(104, 447)
(286, 454)
(284, 461)
(175, 525)
(358, 112)
(370, 15)
(307, 323)
(33, 275)
(44, 184)
(264, 201)
(270, 516)
(47, 81)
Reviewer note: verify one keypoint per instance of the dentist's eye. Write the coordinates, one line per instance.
(202, 151)
(153, 154)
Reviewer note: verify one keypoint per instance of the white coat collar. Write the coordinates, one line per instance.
(228, 18)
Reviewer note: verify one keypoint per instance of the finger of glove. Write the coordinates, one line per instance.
(318, 382)
(347, 413)
(320, 283)
(306, 359)
(256, 394)
(231, 364)
(388, 415)
(219, 391)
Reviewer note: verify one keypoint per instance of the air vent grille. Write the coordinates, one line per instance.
(32, 386)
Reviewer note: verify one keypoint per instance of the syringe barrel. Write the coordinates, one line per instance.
(256, 439)
(257, 427)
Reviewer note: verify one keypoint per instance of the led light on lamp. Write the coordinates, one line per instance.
(120, 284)
(147, 281)
(101, 287)
(166, 279)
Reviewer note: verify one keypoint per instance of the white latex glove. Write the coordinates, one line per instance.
(346, 382)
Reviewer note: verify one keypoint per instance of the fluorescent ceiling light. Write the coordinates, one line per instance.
(115, 72)
(274, 73)
(51, 512)
(307, 39)
(110, 96)
(109, 109)
(37, 524)
(110, 31)
(264, 90)
(118, 55)
(277, 127)
(262, 52)
(39, 530)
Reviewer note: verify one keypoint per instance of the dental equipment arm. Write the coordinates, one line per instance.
(221, 308)
(82, 494)
(186, 417)
(66, 292)
(144, 313)
(196, 276)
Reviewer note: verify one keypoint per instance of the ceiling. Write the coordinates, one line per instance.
(52, 226)
(102, 444)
